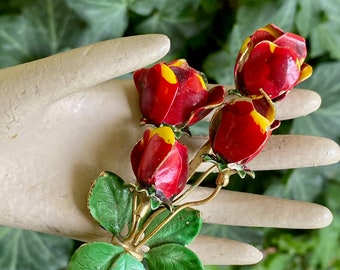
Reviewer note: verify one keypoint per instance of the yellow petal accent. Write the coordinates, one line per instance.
(271, 110)
(168, 74)
(272, 47)
(298, 63)
(261, 121)
(306, 72)
(178, 63)
(244, 45)
(271, 30)
(201, 81)
(165, 133)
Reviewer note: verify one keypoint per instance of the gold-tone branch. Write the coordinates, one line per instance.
(178, 209)
(195, 185)
(197, 159)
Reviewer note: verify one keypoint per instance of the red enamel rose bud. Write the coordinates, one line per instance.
(240, 129)
(175, 94)
(160, 162)
(271, 60)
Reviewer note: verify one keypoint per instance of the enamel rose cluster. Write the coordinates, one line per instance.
(150, 221)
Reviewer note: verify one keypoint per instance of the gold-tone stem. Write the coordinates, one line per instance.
(141, 207)
(197, 159)
(177, 210)
(195, 185)
(206, 200)
(147, 223)
(134, 217)
(137, 253)
(160, 226)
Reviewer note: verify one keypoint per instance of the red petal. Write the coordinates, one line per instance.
(240, 134)
(294, 42)
(274, 69)
(191, 95)
(216, 97)
(136, 156)
(156, 93)
(170, 177)
(183, 152)
(270, 32)
(154, 153)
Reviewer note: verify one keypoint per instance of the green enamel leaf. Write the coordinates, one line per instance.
(125, 261)
(155, 203)
(182, 229)
(110, 202)
(104, 256)
(21, 249)
(172, 256)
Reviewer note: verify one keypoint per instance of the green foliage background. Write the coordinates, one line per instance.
(208, 33)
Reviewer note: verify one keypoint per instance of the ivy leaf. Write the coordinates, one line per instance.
(180, 20)
(172, 256)
(333, 199)
(319, 21)
(306, 16)
(144, 7)
(219, 66)
(21, 249)
(279, 261)
(110, 202)
(182, 229)
(105, 18)
(171, 17)
(44, 27)
(324, 32)
(327, 250)
(255, 14)
(104, 256)
(303, 184)
(243, 234)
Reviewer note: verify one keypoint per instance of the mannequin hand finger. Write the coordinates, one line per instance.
(285, 152)
(28, 88)
(299, 102)
(245, 209)
(219, 251)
